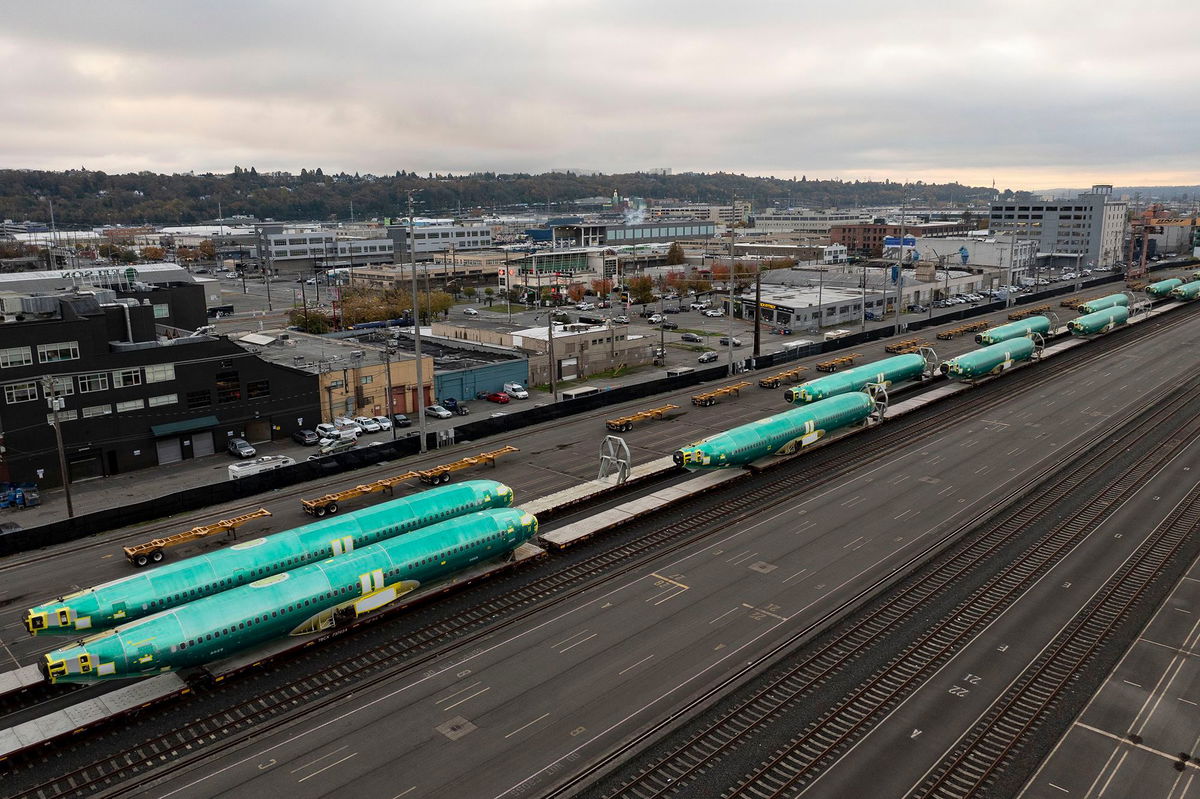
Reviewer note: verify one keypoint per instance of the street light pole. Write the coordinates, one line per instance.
(729, 291)
(416, 300)
(56, 402)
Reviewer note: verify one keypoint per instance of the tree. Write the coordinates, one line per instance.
(641, 289)
(153, 253)
(468, 291)
(310, 321)
(207, 248)
(675, 254)
(602, 286)
(488, 292)
(575, 292)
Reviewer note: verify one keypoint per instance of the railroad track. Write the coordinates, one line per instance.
(792, 768)
(228, 726)
(991, 745)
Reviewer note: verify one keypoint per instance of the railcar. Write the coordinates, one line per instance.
(305, 601)
(1100, 303)
(1020, 329)
(1098, 322)
(142, 594)
(781, 434)
(886, 372)
(1163, 287)
(989, 360)
(1187, 291)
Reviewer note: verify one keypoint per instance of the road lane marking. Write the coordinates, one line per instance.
(797, 574)
(456, 693)
(723, 615)
(902, 515)
(331, 765)
(468, 698)
(319, 759)
(568, 638)
(523, 726)
(764, 612)
(852, 543)
(667, 580)
(630, 668)
(1059, 787)
(577, 643)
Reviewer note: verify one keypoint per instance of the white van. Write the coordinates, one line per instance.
(266, 463)
(516, 390)
(582, 391)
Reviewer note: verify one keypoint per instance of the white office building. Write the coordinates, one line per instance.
(1084, 232)
(800, 220)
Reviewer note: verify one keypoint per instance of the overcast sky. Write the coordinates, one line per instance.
(1033, 94)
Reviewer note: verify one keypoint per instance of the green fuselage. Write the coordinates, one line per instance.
(306, 600)
(885, 373)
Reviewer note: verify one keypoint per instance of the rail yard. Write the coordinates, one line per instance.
(937, 585)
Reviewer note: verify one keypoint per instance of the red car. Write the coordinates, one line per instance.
(497, 396)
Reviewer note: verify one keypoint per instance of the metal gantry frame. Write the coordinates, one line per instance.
(614, 459)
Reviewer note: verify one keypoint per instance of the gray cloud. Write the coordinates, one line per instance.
(1029, 93)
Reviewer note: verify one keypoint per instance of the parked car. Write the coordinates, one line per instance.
(672, 309)
(498, 397)
(698, 306)
(585, 306)
(325, 429)
(724, 342)
(241, 448)
(367, 424)
(383, 422)
(669, 325)
(655, 318)
(470, 312)
(714, 313)
(690, 337)
(346, 421)
(400, 420)
(621, 319)
(516, 390)
(306, 437)
(437, 412)
(708, 357)
(455, 407)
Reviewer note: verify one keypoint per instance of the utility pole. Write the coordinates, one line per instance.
(900, 268)
(729, 290)
(757, 308)
(56, 403)
(386, 356)
(416, 311)
(264, 259)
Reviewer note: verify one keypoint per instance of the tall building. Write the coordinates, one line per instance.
(1086, 231)
(799, 220)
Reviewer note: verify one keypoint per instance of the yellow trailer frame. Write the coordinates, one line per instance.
(625, 423)
(833, 364)
(331, 503)
(775, 381)
(152, 551)
(711, 397)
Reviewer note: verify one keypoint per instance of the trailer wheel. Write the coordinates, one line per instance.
(156, 556)
(319, 511)
(140, 561)
(446, 477)
(332, 508)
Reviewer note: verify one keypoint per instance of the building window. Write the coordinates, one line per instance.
(162, 311)
(228, 389)
(335, 383)
(62, 351)
(63, 416)
(199, 399)
(127, 377)
(130, 405)
(97, 410)
(93, 382)
(366, 380)
(20, 392)
(258, 388)
(163, 399)
(160, 373)
(15, 356)
(63, 387)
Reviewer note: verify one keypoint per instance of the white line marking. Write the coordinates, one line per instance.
(523, 726)
(1059, 787)
(405, 793)
(1134, 684)
(319, 759)
(468, 698)
(456, 693)
(852, 543)
(723, 615)
(902, 515)
(630, 668)
(331, 765)
(797, 574)
(577, 643)
(568, 638)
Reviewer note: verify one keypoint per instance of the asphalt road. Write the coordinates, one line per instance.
(513, 716)
(1153, 693)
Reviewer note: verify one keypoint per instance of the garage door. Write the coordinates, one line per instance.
(85, 469)
(258, 431)
(202, 444)
(169, 451)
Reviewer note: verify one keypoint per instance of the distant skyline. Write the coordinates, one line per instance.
(1027, 94)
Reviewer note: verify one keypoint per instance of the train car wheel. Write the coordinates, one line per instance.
(140, 561)
(156, 556)
(332, 508)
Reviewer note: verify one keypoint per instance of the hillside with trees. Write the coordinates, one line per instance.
(86, 198)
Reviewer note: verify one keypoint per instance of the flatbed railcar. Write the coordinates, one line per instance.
(120, 601)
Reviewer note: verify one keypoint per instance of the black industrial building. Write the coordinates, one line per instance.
(141, 382)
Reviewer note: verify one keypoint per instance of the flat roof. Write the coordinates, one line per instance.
(310, 353)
